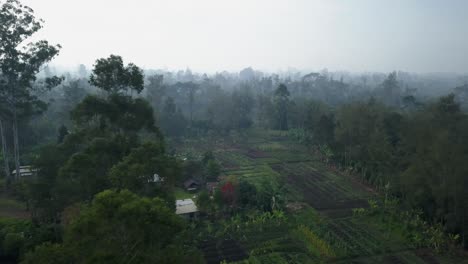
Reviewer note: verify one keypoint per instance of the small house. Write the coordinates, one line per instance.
(25, 171)
(191, 185)
(186, 208)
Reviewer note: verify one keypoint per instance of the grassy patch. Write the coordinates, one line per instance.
(13, 209)
(272, 146)
(10, 204)
(181, 194)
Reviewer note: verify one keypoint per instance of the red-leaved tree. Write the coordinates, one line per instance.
(228, 193)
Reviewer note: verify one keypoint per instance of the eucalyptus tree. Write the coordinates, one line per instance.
(281, 99)
(155, 91)
(189, 89)
(242, 106)
(19, 64)
(3, 111)
(391, 90)
(172, 121)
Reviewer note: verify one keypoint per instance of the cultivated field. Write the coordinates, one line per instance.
(323, 229)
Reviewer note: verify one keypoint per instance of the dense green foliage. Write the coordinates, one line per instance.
(420, 156)
(119, 227)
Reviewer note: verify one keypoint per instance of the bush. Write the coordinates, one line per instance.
(13, 244)
(47, 253)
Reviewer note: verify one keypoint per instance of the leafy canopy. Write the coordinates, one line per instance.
(120, 227)
(112, 76)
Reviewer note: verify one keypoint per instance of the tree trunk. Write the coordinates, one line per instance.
(191, 107)
(5, 153)
(14, 86)
(16, 143)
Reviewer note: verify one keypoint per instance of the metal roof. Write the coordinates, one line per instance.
(185, 206)
(25, 171)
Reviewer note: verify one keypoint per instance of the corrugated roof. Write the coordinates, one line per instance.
(25, 171)
(185, 206)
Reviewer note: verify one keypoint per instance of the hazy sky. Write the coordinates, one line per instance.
(216, 35)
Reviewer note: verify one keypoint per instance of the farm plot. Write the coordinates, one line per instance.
(256, 154)
(271, 146)
(232, 159)
(216, 251)
(274, 245)
(258, 175)
(284, 152)
(322, 190)
(353, 238)
(290, 156)
(259, 157)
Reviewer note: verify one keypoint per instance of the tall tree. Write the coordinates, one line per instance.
(391, 90)
(242, 106)
(189, 89)
(6, 165)
(20, 63)
(282, 102)
(173, 122)
(110, 74)
(155, 91)
(135, 172)
(118, 111)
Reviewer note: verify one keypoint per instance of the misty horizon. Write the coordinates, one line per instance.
(210, 36)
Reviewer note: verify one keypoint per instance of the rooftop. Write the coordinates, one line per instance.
(185, 206)
(188, 183)
(25, 171)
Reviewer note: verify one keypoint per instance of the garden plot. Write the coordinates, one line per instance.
(304, 179)
(284, 152)
(259, 157)
(258, 175)
(274, 245)
(216, 251)
(357, 240)
(323, 190)
(290, 156)
(232, 159)
(256, 154)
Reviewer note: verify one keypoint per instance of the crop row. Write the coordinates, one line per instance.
(230, 159)
(321, 190)
(352, 239)
(256, 175)
(216, 251)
